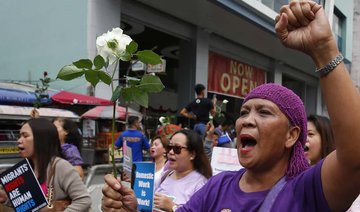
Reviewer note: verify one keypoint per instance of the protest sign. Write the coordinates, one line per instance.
(127, 159)
(224, 159)
(144, 173)
(22, 187)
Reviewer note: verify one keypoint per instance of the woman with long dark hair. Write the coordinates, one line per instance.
(39, 143)
(70, 140)
(320, 138)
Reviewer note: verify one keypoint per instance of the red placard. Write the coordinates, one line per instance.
(231, 77)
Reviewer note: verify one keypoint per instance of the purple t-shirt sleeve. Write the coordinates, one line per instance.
(304, 193)
(72, 154)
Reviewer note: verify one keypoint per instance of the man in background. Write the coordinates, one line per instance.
(134, 139)
(199, 109)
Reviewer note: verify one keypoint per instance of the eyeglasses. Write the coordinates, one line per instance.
(176, 148)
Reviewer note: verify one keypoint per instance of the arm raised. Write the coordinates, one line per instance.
(303, 25)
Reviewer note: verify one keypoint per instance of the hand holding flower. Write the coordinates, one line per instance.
(113, 47)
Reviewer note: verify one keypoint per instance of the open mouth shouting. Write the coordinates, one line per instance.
(21, 149)
(247, 143)
(306, 151)
(171, 160)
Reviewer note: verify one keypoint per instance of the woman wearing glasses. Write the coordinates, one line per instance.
(190, 171)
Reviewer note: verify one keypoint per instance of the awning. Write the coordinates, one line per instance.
(11, 96)
(105, 112)
(23, 113)
(66, 97)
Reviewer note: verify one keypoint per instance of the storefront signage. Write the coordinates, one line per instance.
(159, 68)
(88, 128)
(140, 66)
(231, 77)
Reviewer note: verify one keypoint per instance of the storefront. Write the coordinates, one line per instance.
(188, 33)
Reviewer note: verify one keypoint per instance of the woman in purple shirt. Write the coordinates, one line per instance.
(271, 133)
(70, 139)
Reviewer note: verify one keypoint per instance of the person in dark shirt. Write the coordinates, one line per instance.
(199, 109)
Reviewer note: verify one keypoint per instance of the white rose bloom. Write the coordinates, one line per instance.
(211, 117)
(112, 44)
(225, 101)
(162, 119)
(124, 41)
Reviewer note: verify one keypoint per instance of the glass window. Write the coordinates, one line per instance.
(276, 4)
(338, 29)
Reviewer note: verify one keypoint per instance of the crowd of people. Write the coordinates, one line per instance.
(272, 134)
(292, 161)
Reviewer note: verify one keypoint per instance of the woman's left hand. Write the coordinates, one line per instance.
(163, 202)
(3, 196)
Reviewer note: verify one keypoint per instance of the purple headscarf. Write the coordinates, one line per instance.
(293, 108)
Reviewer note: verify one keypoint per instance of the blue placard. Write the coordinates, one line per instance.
(144, 173)
(223, 139)
(22, 187)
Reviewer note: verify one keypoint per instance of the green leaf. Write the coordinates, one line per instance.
(105, 77)
(92, 77)
(69, 72)
(116, 94)
(136, 95)
(151, 84)
(132, 47)
(126, 94)
(47, 80)
(139, 96)
(133, 82)
(83, 63)
(126, 56)
(149, 57)
(99, 62)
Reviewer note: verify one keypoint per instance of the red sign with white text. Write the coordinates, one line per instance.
(231, 77)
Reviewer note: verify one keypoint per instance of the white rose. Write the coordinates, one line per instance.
(112, 44)
(162, 119)
(211, 117)
(225, 101)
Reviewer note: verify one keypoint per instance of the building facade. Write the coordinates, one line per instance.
(227, 45)
(239, 31)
